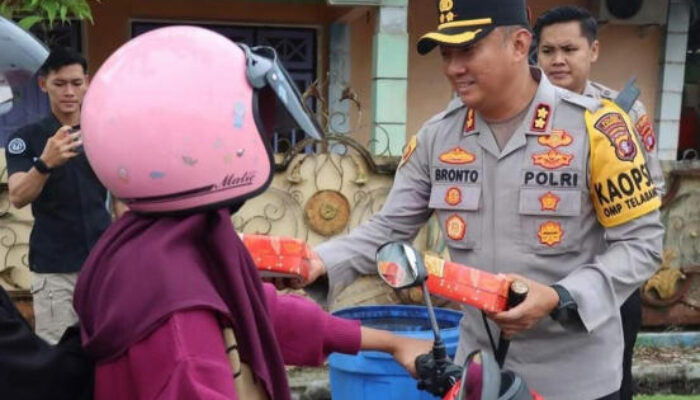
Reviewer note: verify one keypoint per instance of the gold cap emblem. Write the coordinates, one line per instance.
(446, 14)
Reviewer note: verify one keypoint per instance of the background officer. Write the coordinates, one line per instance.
(567, 46)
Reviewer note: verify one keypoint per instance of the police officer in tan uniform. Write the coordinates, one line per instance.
(567, 46)
(527, 179)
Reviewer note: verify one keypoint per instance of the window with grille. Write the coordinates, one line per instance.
(296, 48)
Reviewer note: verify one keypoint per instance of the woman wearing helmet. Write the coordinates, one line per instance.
(174, 124)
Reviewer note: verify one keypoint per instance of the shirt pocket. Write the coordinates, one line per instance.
(458, 209)
(550, 220)
(38, 285)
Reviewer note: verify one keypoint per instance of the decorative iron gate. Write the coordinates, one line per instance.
(296, 48)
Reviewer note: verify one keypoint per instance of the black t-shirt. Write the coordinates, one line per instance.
(31, 369)
(70, 213)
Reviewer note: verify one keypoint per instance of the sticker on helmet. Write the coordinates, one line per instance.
(238, 115)
(189, 160)
(123, 174)
(16, 146)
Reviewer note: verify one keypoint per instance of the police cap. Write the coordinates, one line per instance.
(464, 22)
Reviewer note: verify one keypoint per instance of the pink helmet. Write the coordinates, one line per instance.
(173, 120)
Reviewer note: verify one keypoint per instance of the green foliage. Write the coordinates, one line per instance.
(46, 12)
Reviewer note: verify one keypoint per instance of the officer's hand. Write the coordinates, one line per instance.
(316, 270)
(539, 303)
(61, 147)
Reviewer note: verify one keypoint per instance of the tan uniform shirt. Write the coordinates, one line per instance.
(528, 209)
(644, 127)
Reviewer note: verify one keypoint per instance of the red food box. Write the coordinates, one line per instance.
(467, 285)
(279, 256)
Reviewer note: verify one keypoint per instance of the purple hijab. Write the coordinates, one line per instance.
(145, 268)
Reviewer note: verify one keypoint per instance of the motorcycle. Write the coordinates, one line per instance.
(481, 377)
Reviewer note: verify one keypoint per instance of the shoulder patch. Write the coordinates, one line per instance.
(16, 146)
(621, 185)
(646, 131)
(408, 150)
(586, 102)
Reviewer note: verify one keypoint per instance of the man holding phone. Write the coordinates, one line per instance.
(47, 169)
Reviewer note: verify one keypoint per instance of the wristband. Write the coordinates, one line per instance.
(567, 307)
(41, 166)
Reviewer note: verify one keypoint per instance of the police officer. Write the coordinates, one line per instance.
(528, 179)
(47, 169)
(567, 46)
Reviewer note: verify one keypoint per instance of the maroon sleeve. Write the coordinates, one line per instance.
(306, 333)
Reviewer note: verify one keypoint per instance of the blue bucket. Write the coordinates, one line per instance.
(372, 375)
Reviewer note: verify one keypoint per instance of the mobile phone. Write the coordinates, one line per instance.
(74, 129)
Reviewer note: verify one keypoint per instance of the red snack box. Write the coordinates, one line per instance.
(279, 256)
(467, 285)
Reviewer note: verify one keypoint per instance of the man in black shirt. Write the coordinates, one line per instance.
(47, 168)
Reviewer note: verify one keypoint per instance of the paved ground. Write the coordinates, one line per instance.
(660, 370)
(667, 370)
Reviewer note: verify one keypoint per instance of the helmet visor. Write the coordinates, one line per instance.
(264, 71)
(21, 57)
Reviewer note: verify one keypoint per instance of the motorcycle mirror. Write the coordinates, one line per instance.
(22, 53)
(6, 95)
(400, 265)
(481, 377)
(21, 56)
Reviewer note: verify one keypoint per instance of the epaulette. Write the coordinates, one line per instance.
(586, 102)
(604, 91)
(453, 106)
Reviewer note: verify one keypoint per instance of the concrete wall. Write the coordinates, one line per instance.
(626, 50)
(112, 28)
(361, 33)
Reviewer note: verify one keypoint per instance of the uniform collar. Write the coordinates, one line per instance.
(590, 90)
(545, 97)
(454, 104)
(537, 121)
